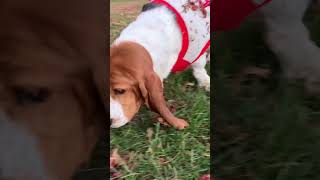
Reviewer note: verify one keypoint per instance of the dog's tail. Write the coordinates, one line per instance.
(19, 156)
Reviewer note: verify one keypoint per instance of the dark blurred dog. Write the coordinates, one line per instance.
(289, 39)
(287, 36)
(52, 62)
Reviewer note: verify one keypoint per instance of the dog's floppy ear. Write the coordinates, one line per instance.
(152, 92)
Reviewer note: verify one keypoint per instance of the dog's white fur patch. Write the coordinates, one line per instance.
(117, 114)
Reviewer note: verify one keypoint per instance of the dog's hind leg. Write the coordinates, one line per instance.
(200, 73)
(289, 39)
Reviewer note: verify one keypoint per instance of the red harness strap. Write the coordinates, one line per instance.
(181, 63)
(228, 14)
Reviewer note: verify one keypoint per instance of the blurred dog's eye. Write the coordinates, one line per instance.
(119, 91)
(30, 96)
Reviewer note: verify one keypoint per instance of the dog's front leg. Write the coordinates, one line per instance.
(200, 73)
(289, 39)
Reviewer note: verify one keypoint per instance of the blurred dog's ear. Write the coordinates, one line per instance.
(152, 92)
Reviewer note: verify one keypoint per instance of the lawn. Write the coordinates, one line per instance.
(266, 127)
(151, 150)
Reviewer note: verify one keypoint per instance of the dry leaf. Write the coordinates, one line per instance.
(163, 161)
(172, 108)
(172, 105)
(190, 84)
(115, 159)
(149, 134)
(170, 101)
(115, 175)
(205, 177)
(129, 159)
(162, 121)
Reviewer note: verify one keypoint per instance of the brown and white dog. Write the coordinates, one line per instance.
(148, 50)
(52, 58)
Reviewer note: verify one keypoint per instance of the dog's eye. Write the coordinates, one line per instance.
(119, 91)
(26, 96)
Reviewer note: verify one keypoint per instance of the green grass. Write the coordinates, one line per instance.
(265, 128)
(170, 153)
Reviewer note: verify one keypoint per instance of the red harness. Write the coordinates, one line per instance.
(228, 14)
(181, 63)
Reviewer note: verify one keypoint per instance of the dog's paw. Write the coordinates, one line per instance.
(180, 123)
(205, 84)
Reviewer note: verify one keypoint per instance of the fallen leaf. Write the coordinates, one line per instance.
(115, 175)
(162, 121)
(149, 134)
(118, 24)
(205, 177)
(172, 108)
(113, 164)
(129, 159)
(163, 161)
(115, 159)
(172, 105)
(189, 84)
(171, 101)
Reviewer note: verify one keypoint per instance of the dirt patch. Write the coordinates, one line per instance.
(126, 8)
(122, 13)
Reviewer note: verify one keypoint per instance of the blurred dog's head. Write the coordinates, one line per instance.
(51, 87)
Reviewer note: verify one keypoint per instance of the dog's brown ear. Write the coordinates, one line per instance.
(152, 92)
